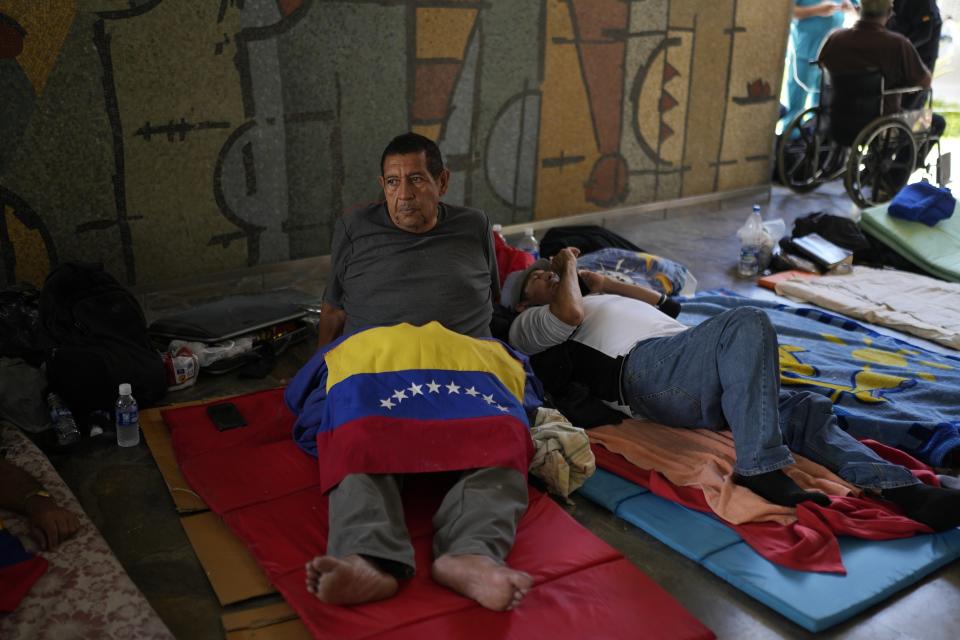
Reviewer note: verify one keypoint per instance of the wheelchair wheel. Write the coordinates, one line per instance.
(806, 157)
(881, 160)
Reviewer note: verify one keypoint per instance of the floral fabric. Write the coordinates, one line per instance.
(85, 593)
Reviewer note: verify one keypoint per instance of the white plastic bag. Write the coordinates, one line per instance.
(210, 353)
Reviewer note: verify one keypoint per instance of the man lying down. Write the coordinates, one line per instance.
(375, 405)
(616, 345)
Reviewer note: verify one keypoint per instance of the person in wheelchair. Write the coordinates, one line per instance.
(865, 62)
(869, 47)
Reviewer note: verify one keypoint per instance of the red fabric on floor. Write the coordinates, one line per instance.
(16, 581)
(921, 471)
(267, 492)
(809, 544)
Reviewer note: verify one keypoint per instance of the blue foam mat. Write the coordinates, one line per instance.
(815, 601)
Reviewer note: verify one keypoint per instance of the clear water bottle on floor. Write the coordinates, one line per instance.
(127, 418)
(529, 244)
(751, 240)
(63, 423)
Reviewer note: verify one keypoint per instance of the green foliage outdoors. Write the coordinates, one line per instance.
(951, 112)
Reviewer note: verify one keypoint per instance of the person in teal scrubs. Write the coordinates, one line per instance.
(812, 21)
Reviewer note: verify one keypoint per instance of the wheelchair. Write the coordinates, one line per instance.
(850, 134)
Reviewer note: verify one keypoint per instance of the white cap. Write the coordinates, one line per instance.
(528, 231)
(125, 388)
(497, 227)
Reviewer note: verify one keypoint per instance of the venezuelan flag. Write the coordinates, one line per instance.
(408, 399)
(19, 569)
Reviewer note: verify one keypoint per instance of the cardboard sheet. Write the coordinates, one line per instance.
(233, 573)
(271, 622)
(158, 440)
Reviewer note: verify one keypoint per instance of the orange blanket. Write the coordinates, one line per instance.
(704, 459)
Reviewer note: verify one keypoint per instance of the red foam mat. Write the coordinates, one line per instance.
(267, 492)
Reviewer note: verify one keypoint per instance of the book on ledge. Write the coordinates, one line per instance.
(821, 251)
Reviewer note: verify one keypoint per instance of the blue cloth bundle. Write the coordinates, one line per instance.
(923, 202)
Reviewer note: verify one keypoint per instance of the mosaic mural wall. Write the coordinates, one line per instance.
(167, 138)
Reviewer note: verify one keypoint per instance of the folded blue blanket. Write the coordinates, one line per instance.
(923, 202)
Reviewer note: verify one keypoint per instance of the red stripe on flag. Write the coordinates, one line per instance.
(387, 445)
(17, 579)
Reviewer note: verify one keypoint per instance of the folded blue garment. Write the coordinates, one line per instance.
(923, 202)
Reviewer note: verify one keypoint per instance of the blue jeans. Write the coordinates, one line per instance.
(725, 374)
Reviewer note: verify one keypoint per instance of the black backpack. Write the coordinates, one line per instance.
(19, 324)
(95, 336)
(586, 237)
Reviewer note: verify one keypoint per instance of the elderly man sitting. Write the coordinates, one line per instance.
(412, 259)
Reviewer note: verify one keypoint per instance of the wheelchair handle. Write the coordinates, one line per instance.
(893, 92)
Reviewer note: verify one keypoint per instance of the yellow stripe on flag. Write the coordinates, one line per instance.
(403, 347)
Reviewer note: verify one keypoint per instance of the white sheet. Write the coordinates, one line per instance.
(909, 302)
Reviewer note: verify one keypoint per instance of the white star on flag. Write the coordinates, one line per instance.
(502, 408)
(399, 395)
(488, 399)
(453, 387)
(387, 404)
(415, 389)
(434, 387)
(472, 392)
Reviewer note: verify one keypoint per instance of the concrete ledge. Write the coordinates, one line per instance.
(660, 210)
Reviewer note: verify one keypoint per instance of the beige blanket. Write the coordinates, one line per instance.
(908, 302)
(704, 459)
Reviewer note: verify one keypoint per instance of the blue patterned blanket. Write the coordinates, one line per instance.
(881, 387)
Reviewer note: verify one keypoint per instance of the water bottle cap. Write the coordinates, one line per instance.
(497, 227)
(528, 231)
(125, 389)
(756, 208)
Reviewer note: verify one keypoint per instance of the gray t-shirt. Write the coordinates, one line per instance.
(381, 274)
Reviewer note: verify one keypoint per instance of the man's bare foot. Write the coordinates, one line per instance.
(352, 580)
(480, 578)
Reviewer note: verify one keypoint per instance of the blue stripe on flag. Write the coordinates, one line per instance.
(420, 394)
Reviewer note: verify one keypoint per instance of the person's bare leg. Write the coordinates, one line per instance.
(351, 580)
(480, 578)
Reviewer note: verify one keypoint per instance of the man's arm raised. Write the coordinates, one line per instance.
(599, 283)
(567, 305)
(332, 321)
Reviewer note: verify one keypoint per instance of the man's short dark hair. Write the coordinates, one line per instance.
(411, 142)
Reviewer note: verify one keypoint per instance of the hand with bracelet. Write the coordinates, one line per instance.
(50, 524)
(599, 283)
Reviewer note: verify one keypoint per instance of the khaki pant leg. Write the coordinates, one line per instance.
(480, 513)
(366, 518)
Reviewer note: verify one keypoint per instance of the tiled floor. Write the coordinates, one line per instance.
(125, 496)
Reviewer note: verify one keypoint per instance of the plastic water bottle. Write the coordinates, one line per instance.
(127, 418)
(529, 244)
(751, 239)
(63, 423)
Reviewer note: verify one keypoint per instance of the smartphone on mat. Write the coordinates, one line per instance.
(226, 416)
